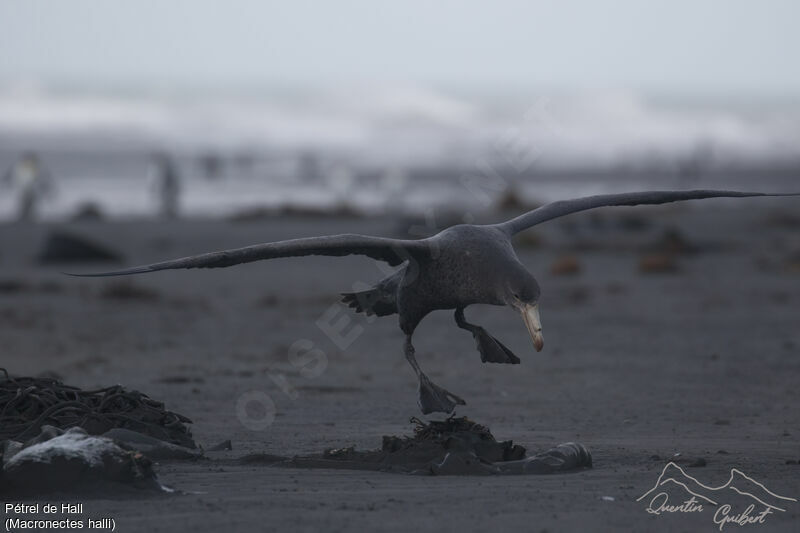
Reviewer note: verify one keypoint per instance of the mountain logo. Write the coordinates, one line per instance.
(741, 500)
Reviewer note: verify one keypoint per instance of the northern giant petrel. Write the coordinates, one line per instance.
(459, 266)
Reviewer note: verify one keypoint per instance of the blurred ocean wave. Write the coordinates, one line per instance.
(387, 147)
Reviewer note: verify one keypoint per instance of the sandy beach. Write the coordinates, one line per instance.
(658, 384)
(701, 361)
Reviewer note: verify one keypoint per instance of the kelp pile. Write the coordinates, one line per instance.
(455, 435)
(454, 446)
(28, 403)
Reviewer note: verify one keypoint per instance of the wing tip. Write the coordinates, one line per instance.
(526, 220)
(90, 275)
(126, 272)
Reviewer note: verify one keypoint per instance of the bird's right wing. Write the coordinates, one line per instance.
(566, 207)
(392, 251)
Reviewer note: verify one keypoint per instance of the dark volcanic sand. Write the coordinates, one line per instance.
(634, 366)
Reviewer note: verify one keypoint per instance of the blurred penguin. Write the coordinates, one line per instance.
(211, 164)
(394, 189)
(309, 168)
(33, 182)
(342, 181)
(166, 185)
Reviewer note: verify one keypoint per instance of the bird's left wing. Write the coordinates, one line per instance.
(392, 251)
(566, 207)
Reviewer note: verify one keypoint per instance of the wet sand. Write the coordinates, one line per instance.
(636, 366)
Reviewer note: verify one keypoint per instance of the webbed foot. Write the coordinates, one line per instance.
(434, 399)
(492, 350)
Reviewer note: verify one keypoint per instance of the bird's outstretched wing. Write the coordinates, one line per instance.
(392, 251)
(566, 207)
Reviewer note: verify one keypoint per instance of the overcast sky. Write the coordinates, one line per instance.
(728, 46)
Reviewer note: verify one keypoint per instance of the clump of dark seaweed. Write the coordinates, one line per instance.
(28, 403)
(454, 446)
(455, 434)
(441, 429)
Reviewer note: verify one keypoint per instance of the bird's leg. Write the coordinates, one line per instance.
(491, 349)
(432, 398)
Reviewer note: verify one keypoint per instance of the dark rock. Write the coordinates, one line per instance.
(783, 219)
(691, 462)
(566, 265)
(672, 241)
(658, 263)
(222, 446)
(126, 290)
(13, 286)
(63, 247)
(88, 211)
(513, 200)
(633, 222)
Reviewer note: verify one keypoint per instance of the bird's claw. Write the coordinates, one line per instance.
(434, 399)
(492, 350)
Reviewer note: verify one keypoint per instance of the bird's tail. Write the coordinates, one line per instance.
(374, 301)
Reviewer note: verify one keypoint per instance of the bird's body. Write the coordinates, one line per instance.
(460, 266)
(455, 274)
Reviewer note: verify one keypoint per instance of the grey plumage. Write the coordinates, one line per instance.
(566, 207)
(458, 267)
(393, 251)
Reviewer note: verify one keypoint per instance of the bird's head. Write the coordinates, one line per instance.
(522, 293)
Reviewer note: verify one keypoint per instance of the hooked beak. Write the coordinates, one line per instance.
(530, 314)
